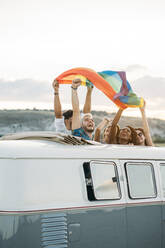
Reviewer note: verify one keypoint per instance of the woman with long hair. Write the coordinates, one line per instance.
(112, 133)
(124, 136)
(142, 136)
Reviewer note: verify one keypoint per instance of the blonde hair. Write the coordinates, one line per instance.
(84, 115)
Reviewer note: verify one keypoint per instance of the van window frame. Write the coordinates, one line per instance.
(86, 165)
(161, 165)
(153, 178)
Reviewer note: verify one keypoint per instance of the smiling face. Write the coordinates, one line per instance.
(88, 123)
(140, 137)
(125, 134)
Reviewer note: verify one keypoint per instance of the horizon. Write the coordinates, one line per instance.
(97, 110)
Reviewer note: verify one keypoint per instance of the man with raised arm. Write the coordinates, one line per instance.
(63, 121)
(81, 127)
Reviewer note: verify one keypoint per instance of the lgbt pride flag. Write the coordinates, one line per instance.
(112, 83)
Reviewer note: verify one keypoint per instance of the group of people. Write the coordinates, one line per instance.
(82, 124)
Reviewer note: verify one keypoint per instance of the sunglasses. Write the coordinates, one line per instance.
(140, 134)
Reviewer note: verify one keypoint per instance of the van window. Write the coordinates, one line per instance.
(162, 171)
(102, 180)
(140, 180)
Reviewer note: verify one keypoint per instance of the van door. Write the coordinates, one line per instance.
(103, 220)
(143, 205)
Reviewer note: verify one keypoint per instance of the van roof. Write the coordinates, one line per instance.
(25, 148)
(51, 136)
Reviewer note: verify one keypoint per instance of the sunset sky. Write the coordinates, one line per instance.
(42, 38)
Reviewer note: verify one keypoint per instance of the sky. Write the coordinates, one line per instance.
(40, 39)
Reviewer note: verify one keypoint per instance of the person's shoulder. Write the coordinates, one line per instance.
(59, 120)
(78, 130)
(59, 125)
(80, 133)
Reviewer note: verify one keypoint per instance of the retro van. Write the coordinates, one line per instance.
(58, 195)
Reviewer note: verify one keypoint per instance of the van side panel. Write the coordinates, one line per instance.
(101, 227)
(163, 223)
(18, 231)
(144, 226)
(89, 228)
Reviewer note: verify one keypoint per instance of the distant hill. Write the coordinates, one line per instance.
(12, 121)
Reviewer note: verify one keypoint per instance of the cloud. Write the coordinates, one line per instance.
(136, 67)
(135, 71)
(153, 90)
(153, 87)
(24, 90)
(30, 90)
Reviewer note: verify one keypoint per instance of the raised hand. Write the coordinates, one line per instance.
(144, 106)
(55, 85)
(76, 83)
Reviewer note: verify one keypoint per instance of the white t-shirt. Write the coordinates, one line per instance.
(60, 127)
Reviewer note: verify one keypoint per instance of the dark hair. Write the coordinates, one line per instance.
(135, 139)
(68, 114)
(133, 135)
(142, 130)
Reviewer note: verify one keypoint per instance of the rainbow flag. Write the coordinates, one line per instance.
(112, 83)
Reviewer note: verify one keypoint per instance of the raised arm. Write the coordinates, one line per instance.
(101, 125)
(87, 105)
(146, 126)
(76, 121)
(112, 135)
(57, 104)
(117, 117)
